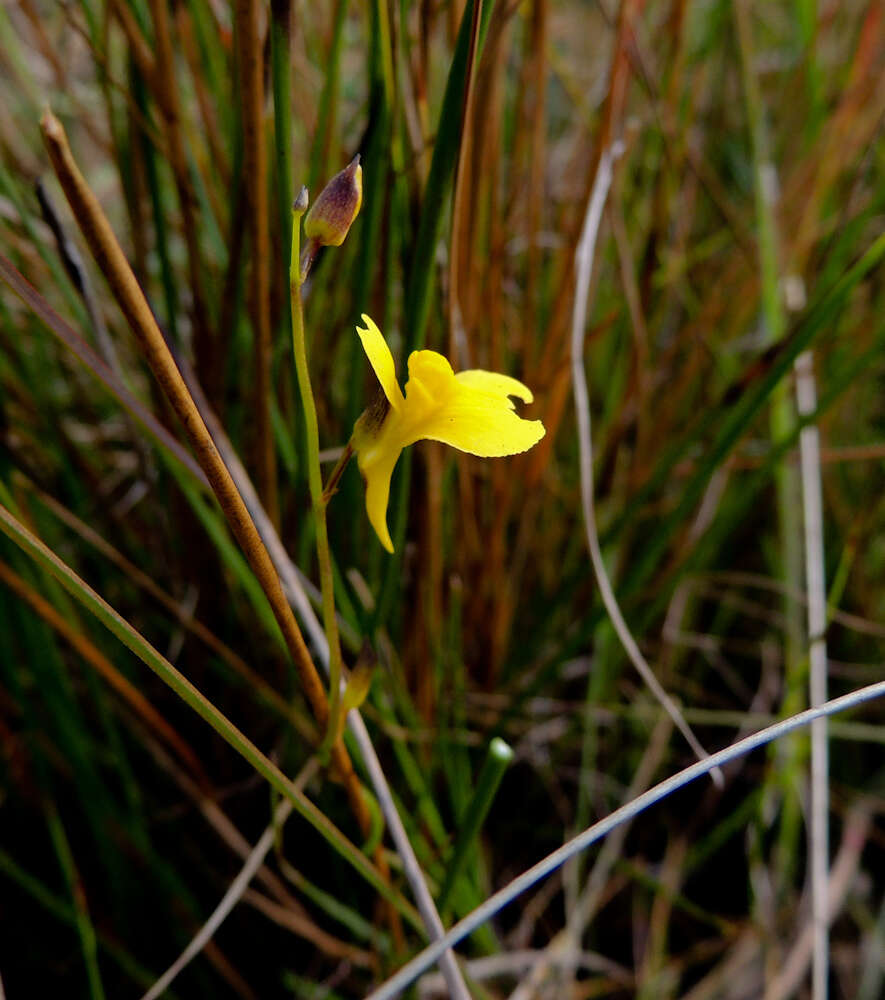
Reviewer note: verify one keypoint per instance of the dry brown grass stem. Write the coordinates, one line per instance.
(43, 43)
(112, 262)
(251, 68)
(458, 347)
(219, 156)
(165, 90)
(307, 929)
(537, 62)
(551, 363)
(138, 44)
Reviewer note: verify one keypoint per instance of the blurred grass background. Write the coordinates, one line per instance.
(752, 181)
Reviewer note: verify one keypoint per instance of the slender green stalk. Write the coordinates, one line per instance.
(496, 763)
(806, 23)
(315, 480)
(107, 252)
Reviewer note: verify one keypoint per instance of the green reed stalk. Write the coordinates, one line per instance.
(498, 758)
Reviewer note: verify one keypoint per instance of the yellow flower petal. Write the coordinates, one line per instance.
(493, 382)
(381, 361)
(431, 380)
(477, 416)
(377, 476)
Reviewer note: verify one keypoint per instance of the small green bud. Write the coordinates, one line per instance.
(332, 214)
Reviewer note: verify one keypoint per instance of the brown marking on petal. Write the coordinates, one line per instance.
(374, 415)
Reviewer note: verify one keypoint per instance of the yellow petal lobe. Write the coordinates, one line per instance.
(377, 475)
(477, 416)
(495, 383)
(431, 379)
(381, 361)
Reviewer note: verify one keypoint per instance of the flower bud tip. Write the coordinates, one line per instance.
(301, 202)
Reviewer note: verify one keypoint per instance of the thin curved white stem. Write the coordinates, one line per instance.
(584, 256)
(815, 583)
(496, 902)
(228, 901)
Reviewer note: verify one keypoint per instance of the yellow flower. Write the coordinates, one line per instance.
(472, 411)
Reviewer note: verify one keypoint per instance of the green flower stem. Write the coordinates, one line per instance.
(496, 763)
(315, 481)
